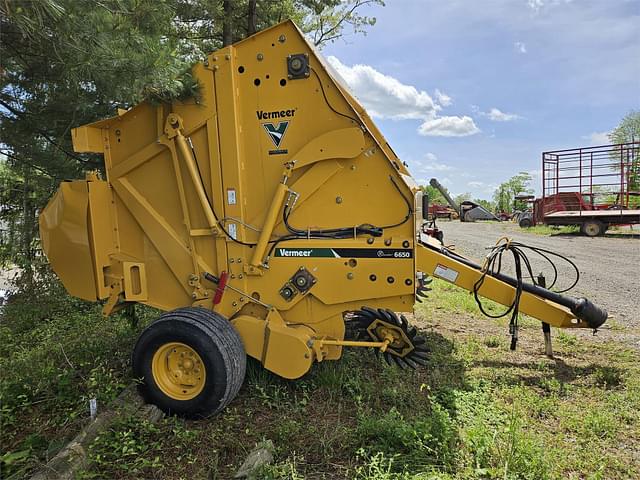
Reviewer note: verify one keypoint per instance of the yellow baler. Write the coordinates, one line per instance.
(268, 217)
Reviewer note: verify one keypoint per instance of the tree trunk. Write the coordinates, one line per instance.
(227, 25)
(28, 214)
(252, 17)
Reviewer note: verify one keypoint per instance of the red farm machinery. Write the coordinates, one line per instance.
(591, 187)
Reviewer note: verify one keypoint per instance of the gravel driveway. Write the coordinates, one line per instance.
(609, 266)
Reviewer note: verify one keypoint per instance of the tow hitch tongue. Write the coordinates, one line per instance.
(521, 293)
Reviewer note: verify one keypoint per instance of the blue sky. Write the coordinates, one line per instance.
(472, 92)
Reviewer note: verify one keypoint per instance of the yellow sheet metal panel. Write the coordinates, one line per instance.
(87, 139)
(135, 281)
(65, 238)
(251, 331)
(102, 235)
(287, 352)
(342, 143)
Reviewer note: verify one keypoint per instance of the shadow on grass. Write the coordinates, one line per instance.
(602, 375)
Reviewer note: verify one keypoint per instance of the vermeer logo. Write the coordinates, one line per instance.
(294, 253)
(276, 131)
(275, 114)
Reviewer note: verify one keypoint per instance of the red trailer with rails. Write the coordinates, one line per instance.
(590, 187)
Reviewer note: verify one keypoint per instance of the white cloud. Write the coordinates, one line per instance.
(475, 184)
(444, 99)
(430, 164)
(434, 167)
(520, 47)
(598, 138)
(497, 116)
(448, 127)
(535, 5)
(386, 97)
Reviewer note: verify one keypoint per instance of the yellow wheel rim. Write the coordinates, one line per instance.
(178, 371)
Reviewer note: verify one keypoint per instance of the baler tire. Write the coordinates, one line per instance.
(213, 340)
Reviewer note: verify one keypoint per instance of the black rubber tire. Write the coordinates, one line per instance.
(525, 222)
(219, 346)
(592, 228)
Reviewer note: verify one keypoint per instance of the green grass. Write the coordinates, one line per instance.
(478, 411)
(552, 230)
(56, 354)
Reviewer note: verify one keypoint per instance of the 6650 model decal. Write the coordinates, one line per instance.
(392, 253)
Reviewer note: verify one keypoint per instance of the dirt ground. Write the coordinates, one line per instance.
(609, 267)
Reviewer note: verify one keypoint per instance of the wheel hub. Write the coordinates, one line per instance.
(405, 347)
(178, 371)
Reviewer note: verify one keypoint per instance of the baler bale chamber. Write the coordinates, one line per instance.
(268, 217)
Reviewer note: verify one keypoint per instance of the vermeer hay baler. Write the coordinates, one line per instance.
(268, 217)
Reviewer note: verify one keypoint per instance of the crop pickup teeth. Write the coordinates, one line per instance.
(407, 349)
